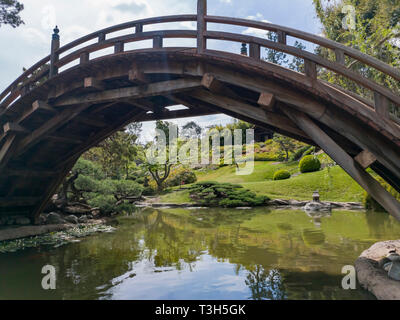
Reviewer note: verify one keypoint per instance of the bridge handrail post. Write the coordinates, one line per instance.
(201, 25)
(55, 45)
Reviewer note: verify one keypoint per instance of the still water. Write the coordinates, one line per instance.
(204, 254)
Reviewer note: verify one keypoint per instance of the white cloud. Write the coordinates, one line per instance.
(254, 31)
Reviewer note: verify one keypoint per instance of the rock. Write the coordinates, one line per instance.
(372, 277)
(394, 271)
(317, 206)
(76, 209)
(90, 217)
(72, 219)
(22, 221)
(2, 221)
(393, 257)
(54, 218)
(10, 221)
(387, 266)
(83, 219)
(42, 219)
(383, 262)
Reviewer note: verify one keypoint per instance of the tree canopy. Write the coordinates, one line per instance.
(9, 13)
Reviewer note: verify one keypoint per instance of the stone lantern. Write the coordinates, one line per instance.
(316, 196)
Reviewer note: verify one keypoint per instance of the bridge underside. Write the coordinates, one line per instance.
(49, 128)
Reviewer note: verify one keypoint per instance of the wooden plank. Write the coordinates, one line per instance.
(84, 58)
(365, 180)
(381, 105)
(282, 37)
(91, 121)
(318, 60)
(42, 105)
(8, 149)
(137, 77)
(14, 128)
(327, 43)
(247, 110)
(48, 127)
(153, 89)
(92, 83)
(267, 100)
(310, 69)
(255, 52)
(340, 58)
(201, 25)
(64, 139)
(119, 47)
(365, 159)
(210, 82)
(18, 201)
(157, 42)
(23, 172)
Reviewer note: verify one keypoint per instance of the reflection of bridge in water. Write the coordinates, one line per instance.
(54, 112)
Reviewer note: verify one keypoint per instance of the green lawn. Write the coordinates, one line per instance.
(333, 185)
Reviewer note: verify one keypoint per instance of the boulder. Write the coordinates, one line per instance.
(22, 221)
(394, 271)
(72, 219)
(54, 218)
(373, 277)
(83, 219)
(43, 219)
(317, 206)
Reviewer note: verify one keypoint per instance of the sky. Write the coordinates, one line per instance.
(27, 44)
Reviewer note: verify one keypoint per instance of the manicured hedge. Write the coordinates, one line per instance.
(226, 195)
(309, 164)
(282, 175)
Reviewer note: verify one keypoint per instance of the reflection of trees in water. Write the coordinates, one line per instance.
(265, 284)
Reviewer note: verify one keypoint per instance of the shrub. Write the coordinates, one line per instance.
(282, 175)
(299, 153)
(226, 195)
(371, 204)
(309, 151)
(181, 176)
(309, 164)
(267, 157)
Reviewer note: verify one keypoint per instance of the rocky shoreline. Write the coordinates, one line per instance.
(279, 203)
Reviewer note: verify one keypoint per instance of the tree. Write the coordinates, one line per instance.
(9, 12)
(191, 129)
(286, 144)
(117, 153)
(376, 33)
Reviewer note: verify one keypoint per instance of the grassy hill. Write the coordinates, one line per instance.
(333, 184)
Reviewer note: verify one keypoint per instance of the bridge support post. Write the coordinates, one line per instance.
(341, 157)
(55, 45)
(201, 25)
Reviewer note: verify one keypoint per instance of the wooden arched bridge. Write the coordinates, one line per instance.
(56, 111)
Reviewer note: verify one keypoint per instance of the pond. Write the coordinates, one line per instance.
(204, 254)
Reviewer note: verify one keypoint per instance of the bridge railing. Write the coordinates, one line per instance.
(384, 99)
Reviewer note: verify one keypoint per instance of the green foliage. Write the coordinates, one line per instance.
(299, 153)
(9, 12)
(376, 32)
(87, 184)
(371, 204)
(116, 154)
(181, 176)
(227, 195)
(267, 157)
(309, 164)
(282, 175)
(310, 151)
